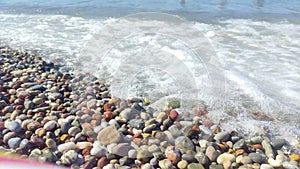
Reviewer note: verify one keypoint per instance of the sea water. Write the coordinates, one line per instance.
(255, 46)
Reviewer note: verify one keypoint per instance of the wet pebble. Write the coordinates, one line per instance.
(183, 144)
(256, 157)
(278, 143)
(222, 136)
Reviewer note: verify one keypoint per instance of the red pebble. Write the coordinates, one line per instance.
(108, 115)
(107, 107)
(173, 115)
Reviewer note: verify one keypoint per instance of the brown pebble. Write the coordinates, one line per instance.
(37, 141)
(86, 151)
(196, 130)
(172, 154)
(2, 127)
(103, 161)
(239, 152)
(32, 126)
(137, 141)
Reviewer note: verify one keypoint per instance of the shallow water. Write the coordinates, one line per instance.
(255, 45)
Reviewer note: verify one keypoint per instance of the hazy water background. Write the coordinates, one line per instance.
(257, 42)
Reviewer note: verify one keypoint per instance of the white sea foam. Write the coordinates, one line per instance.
(261, 60)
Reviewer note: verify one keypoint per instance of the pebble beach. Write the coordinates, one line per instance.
(71, 120)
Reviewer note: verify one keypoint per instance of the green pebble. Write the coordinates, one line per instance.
(174, 104)
(195, 166)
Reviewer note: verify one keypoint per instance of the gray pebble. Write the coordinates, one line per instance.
(184, 144)
(14, 126)
(201, 158)
(24, 143)
(98, 151)
(239, 144)
(137, 123)
(222, 136)
(188, 157)
(278, 143)
(14, 142)
(74, 130)
(256, 157)
(153, 161)
(132, 153)
(256, 140)
(50, 125)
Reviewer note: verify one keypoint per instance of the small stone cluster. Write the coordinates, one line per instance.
(55, 117)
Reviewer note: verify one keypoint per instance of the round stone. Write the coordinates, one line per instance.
(226, 159)
(211, 153)
(266, 166)
(50, 125)
(246, 160)
(66, 146)
(121, 149)
(222, 136)
(14, 142)
(173, 115)
(132, 153)
(83, 145)
(201, 158)
(239, 144)
(74, 130)
(103, 161)
(195, 166)
(278, 143)
(183, 144)
(24, 143)
(51, 143)
(165, 164)
(109, 135)
(182, 164)
(69, 157)
(98, 151)
(14, 126)
(146, 166)
(256, 157)
(188, 157)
